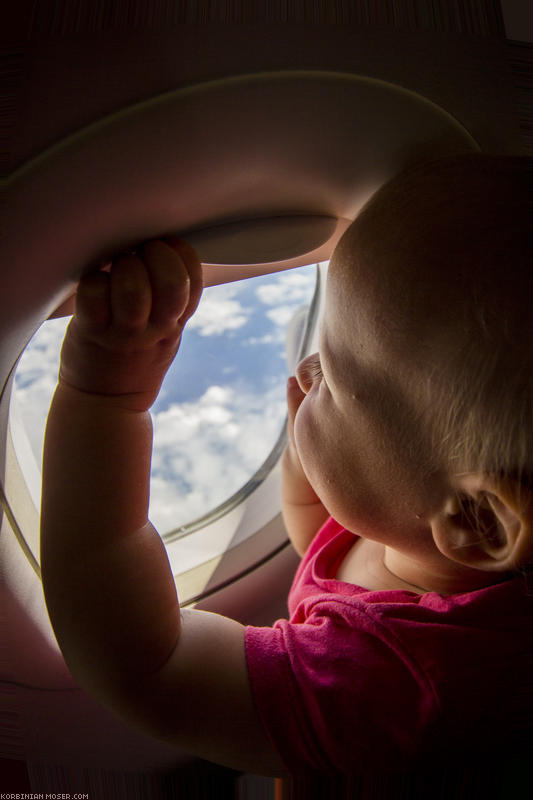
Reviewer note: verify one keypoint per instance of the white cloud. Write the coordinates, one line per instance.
(290, 292)
(290, 287)
(282, 315)
(268, 338)
(219, 312)
(207, 450)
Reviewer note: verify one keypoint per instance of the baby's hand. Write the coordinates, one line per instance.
(128, 323)
(291, 459)
(294, 400)
(303, 512)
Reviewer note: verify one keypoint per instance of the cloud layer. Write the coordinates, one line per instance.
(206, 450)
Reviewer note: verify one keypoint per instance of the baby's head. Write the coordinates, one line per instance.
(429, 318)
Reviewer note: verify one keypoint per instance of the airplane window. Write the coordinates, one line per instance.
(221, 408)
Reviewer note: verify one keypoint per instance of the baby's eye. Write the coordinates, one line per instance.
(314, 370)
(309, 372)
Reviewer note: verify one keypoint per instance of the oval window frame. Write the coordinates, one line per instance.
(223, 565)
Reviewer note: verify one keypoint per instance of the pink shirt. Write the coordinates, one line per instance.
(361, 679)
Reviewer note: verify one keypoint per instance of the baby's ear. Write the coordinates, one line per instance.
(486, 523)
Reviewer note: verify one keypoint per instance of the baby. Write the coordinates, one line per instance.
(407, 490)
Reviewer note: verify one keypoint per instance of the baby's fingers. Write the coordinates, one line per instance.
(131, 296)
(169, 281)
(193, 266)
(93, 310)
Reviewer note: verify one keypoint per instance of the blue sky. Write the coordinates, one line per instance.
(222, 404)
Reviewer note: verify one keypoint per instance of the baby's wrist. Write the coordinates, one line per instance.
(131, 402)
(131, 379)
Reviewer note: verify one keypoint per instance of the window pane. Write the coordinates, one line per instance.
(36, 378)
(222, 404)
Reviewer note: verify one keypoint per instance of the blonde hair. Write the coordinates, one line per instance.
(467, 219)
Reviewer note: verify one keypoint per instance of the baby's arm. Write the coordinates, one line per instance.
(303, 512)
(108, 585)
